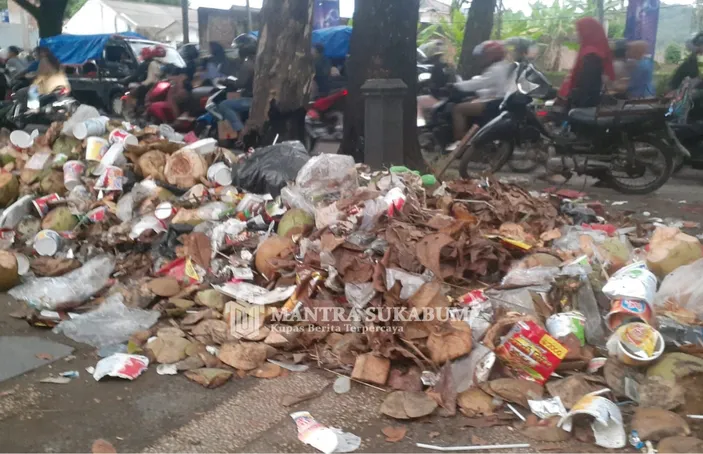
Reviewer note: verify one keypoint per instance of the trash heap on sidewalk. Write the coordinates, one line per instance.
(474, 296)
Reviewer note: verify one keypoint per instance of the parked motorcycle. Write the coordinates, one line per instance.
(42, 110)
(618, 144)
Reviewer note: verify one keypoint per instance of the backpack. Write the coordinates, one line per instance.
(683, 101)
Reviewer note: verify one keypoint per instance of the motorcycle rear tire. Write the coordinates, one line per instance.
(660, 181)
(474, 151)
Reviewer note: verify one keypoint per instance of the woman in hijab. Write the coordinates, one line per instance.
(583, 87)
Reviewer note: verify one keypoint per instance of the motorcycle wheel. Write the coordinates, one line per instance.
(487, 158)
(650, 154)
(520, 164)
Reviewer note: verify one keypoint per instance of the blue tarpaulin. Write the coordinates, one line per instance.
(335, 39)
(78, 49)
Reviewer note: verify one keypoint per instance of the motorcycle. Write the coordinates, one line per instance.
(158, 93)
(614, 143)
(324, 119)
(39, 110)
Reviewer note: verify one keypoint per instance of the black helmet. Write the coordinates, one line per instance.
(695, 44)
(189, 52)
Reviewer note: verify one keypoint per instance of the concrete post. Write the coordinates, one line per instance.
(383, 122)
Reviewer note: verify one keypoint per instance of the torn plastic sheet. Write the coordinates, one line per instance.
(411, 283)
(253, 294)
(607, 426)
(474, 368)
(547, 408)
(111, 323)
(359, 295)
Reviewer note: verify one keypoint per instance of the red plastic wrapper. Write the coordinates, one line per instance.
(530, 352)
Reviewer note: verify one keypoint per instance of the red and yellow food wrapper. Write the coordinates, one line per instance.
(530, 352)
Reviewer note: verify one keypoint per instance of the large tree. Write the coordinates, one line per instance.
(48, 14)
(383, 46)
(283, 74)
(479, 24)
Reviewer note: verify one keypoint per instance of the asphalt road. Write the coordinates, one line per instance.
(169, 413)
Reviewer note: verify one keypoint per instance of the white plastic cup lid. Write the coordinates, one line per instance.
(21, 139)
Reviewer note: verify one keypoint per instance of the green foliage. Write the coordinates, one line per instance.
(450, 31)
(673, 54)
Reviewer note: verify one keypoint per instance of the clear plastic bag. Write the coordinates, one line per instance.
(74, 287)
(292, 197)
(326, 177)
(683, 288)
(111, 323)
(83, 112)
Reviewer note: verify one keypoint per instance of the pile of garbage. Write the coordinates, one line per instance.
(474, 296)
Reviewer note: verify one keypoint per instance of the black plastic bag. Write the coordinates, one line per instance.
(269, 169)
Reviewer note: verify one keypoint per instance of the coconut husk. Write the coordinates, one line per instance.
(60, 219)
(151, 164)
(52, 183)
(185, 169)
(9, 189)
(8, 271)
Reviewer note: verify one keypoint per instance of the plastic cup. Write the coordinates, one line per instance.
(91, 127)
(72, 172)
(220, 174)
(22, 264)
(21, 140)
(95, 148)
(111, 179)
(164, 211)
(43, 204)
(123, 137)
(47, 243)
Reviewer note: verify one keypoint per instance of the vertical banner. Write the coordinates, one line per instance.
(642, 22)
(326, 14)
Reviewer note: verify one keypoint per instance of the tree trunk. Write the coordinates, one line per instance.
(283, 74)
(479, 24)
(49, 15)
(383, 46)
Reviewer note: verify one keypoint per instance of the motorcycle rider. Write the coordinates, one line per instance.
(641, 68)
(490, 85)
(689, 67)
(147, 73)
(14, 64)
(232, 109)
(49, 78)
(583, 87)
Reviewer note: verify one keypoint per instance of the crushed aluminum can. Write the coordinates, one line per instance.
(429, 378)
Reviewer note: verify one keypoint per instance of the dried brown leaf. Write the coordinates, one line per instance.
(428, 251)
(394, 433)
(197, 246)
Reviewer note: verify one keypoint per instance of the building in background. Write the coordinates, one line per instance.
(431, 11)
(158, 22)
(223, 25)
